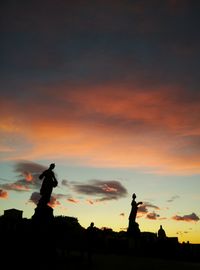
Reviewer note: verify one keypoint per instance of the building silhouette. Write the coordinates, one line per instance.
(13, 214)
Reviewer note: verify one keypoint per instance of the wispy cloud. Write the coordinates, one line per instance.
(188, 218)
(72, 200)
(143, 209)
(89, 201)
(17, 186)
(173, 198)
(27, 173)
(104, 190)
(65, 182)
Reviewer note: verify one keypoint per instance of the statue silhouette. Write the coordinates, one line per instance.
(134, 208)
(91, 233)
(161, 233)
(48, 184)
(133, 227)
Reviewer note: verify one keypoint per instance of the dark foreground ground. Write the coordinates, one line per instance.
(98, 261)
(119, 262)
(113, 262)
(63, 244)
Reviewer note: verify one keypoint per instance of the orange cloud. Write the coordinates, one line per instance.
(28, 176)
(90, 201)
(54, 202)
(110, 126)
(152, 215)
(107, 188)
(72, 200)
(3, 194)
(16, 186)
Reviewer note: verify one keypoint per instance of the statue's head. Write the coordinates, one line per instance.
(133, 196)
(52, 166)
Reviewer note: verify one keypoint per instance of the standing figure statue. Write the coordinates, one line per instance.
(133, 226)
(48, 184)
(134, 208)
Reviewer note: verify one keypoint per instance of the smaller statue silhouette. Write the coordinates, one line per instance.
(161, 233)
(133, 227)
(48, 184)
(134, 208)
(91, 233)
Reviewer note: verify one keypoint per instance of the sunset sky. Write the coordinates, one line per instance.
(109, 91)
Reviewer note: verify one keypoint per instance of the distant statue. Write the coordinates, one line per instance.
(134, 208)
(91, 227)
(91, 233)
(161, 233)
(133, 227)
(48, 184)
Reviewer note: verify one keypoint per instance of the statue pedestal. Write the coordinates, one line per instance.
(43, 234)
(133, 230)
(43, 214)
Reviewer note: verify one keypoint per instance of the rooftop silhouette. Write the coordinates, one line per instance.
(57, 238)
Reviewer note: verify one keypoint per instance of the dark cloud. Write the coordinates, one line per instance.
(17, 186)
(23, 167)
(106, 190)
(188, 218)
(143, 209)
(181, 233)
(28, 173)
(65, 183)
(81, 41)
(175, 197)
(35, 196)
(61, 196)
(152, 215)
